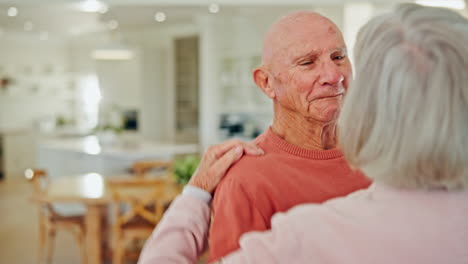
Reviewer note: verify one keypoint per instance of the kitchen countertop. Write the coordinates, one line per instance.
(134, 149)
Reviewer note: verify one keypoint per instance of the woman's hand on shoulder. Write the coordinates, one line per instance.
(217, 160)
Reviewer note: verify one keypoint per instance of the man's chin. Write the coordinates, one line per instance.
(328, 116)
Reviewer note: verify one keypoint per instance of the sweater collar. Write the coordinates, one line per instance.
(298, 151)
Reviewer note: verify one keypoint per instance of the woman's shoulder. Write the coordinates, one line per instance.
(340, 212)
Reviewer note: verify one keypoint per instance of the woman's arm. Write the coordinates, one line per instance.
(181, 235)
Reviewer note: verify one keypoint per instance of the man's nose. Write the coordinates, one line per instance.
(330, 74)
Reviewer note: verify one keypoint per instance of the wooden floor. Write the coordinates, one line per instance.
(18, 228)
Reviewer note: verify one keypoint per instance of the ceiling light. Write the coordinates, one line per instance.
(28, 26)
(160, 17)
(112, 54)
(44, 35)
(12, 11)
(93, 6)
(113, 24)
(213, 8)
(112, 51)
(454, 4)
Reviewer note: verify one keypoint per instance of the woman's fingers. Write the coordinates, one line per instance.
(251, 148)
(217, 151)
(217, 160)
(209, 174)
(209, 177)
(225, 162)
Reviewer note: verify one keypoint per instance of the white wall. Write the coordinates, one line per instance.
(120, 82)
(157, 73)
(234, 37)
(39, 71)
(84, 70)
(41, 92)
(154, 121)
(145, 83)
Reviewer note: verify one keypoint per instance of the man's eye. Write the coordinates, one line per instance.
(304, 63)
(339, 57)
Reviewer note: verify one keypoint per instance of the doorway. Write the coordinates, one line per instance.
(187, 90)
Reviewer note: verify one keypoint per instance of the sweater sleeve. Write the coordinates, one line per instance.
(234, 213)
(180, 236)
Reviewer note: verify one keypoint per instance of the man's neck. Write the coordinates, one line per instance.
(303, 132)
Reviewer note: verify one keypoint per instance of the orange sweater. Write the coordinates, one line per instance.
(255, 188)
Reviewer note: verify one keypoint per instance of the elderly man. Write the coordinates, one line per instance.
(305, 72)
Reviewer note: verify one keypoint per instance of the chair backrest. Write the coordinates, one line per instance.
(141, 168)
(38, 178)
(138, 199)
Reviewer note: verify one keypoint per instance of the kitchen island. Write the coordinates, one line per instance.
(71, 156)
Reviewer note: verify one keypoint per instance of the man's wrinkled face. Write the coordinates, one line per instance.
(311, 70)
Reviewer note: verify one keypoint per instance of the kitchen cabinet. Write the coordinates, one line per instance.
(239, 92)
(17, 152)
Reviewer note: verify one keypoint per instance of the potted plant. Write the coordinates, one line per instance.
(185, 167)
(107, 134)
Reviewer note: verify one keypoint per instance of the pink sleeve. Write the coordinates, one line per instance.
(259, 248)
(278, 245)
(180, 236)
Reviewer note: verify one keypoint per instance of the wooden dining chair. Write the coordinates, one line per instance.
(137, 207)
(143, 167)
(50, 220)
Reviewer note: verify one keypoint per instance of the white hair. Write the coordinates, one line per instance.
(404, 121)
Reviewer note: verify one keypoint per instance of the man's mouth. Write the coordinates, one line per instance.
(330, 96)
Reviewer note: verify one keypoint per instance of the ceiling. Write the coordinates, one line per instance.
(64, 17)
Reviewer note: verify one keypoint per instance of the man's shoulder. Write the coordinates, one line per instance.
(251, 172)
(246, 170)
(247, 176)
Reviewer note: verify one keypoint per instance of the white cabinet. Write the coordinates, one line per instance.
(18, 152)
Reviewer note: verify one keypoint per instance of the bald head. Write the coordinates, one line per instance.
(290, 29)
(305, 68)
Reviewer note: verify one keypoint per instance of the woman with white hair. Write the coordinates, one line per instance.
(404, 123)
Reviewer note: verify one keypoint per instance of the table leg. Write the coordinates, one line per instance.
(93, 234)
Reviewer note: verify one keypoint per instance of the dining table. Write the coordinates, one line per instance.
(94, 192)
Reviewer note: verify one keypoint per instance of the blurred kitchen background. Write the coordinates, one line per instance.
(95, 86)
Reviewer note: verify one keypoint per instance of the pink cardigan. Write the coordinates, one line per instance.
(378, 225)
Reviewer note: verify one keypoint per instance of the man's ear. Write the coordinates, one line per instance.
(261, 78)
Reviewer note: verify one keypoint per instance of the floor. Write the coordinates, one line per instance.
(18, 228)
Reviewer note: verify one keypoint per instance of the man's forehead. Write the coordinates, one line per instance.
(311, 43)
(301, 32)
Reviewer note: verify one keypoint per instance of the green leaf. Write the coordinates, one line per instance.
(185, 167)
